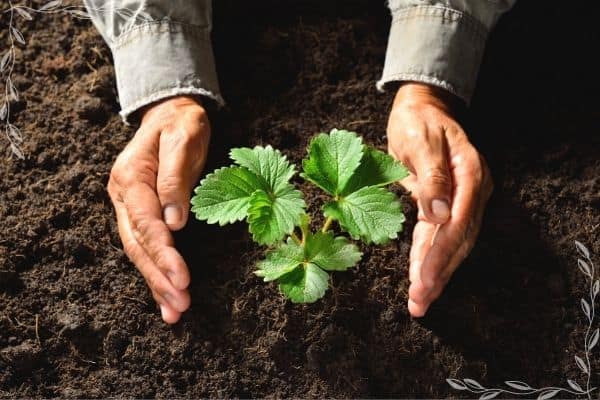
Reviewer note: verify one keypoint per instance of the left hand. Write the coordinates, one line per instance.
(449, 180)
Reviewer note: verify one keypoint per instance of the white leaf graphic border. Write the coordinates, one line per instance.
(15, 37)
(518, 388)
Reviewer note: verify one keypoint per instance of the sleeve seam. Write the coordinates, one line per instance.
(443, 13)
(162, 26)
(169, 92)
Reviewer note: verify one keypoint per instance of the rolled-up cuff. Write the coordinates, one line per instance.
(161, 59)
(435, 45)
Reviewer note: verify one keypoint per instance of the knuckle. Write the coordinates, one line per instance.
(469, 234)
(199, 115)
(112, 188)
(149, 234)
(126, 177)
(193, 129)
(169, 184)
(130, 248)
(475, 169)
(159, 259)
(130, 169)
(415, 132)
(141, 227)
(115, 175)
(194, 110)
(155, 283)
(396, 119)
(143, 172)
(437, 176)
(122, 162)
(191, 136)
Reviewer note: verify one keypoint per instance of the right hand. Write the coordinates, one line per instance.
(150, 186)
(450, 182)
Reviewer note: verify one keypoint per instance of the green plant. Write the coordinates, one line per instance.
(258, 189)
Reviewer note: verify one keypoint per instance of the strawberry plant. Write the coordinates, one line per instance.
(258, 189)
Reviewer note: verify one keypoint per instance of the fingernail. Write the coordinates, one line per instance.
(172, 214)
(440, 209)
(162, 310)
(415, 309)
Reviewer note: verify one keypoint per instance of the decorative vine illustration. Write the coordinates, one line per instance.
(23, 13)
(590, 340)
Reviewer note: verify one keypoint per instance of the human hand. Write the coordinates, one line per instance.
(150, 185)
(449, 180)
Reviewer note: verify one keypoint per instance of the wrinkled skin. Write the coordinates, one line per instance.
(150, 186)
(449, 180)
(152, 179)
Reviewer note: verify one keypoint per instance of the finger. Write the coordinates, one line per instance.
(420, 295)
(181, 157)
(419, 300)
(421, 242)
(169, 314)
(411, 185)
(171, 299)
(143, 211)
(473, 229)
(415, 309)
(430, 162)
(456, 237)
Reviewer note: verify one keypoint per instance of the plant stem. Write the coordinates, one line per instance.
(327, 224)
(295, 238)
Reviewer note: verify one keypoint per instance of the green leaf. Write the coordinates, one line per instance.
(373, 214)
(267, 163)
(376, 169)
(332, 160)
(223, 197)
(271, 217)
(331, 253)
(304, 284)
(280, 261)
(300, 266)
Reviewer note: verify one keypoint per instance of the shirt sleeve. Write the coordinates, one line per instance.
(160, 48)
(439, 42)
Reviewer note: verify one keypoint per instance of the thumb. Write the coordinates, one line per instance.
(181, 158)
(434, 179)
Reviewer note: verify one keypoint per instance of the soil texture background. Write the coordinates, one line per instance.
(76, 319)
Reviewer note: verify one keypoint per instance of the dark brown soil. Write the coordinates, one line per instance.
(76, 319)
